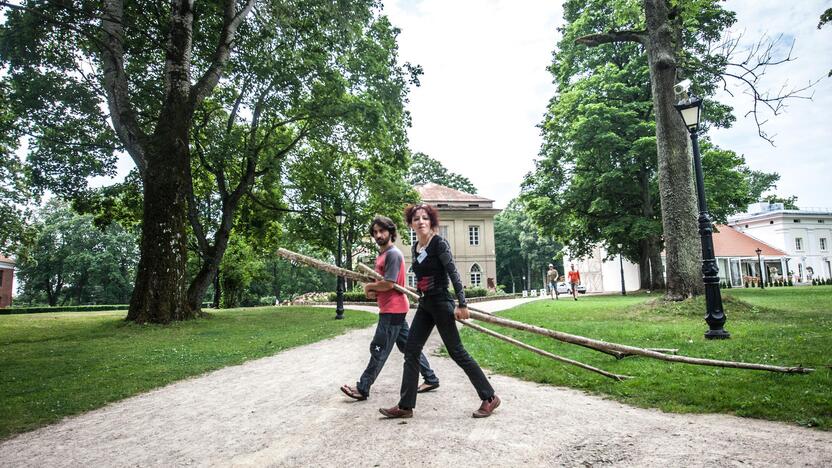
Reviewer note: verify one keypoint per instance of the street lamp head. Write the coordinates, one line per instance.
(691, 111)
(619, 246)
(340, 216)
(759, 251)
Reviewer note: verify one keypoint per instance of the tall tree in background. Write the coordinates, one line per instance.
(424, 169)
(151, 66)
(522, 250)
(679, 42)
(14, 189)
(70, 261)
(355, 104)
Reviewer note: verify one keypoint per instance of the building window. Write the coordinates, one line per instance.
(411, 278)
(443, 231)
(771, 222)
(473, 205)
(474, 235)
(820, 221)
(412, 236)
(2, 274)
(823, 243)
(746, 226)
(476, 276)
(798, 243)
(797, 220)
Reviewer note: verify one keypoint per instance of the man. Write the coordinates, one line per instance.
(574, 280)
(393, 306)
(552, 278)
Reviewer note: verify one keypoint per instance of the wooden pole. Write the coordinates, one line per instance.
(561, 336)
(507, 339)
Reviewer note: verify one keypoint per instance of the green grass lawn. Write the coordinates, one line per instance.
(781, 326)
(58, 364)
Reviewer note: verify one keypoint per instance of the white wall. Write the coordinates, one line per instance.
(604, 276)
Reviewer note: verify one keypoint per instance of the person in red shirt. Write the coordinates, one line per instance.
(574, 280)
(393, 305)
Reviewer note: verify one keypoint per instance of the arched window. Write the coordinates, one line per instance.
(476, 276)
(411, 277)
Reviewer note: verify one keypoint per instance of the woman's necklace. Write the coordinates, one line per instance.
(422, 246)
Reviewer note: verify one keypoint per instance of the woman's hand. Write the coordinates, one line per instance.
(461, 313)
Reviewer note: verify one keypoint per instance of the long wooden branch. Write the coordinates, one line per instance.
(411, 292)
(576, 339)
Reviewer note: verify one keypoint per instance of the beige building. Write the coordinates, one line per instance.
(467, 221)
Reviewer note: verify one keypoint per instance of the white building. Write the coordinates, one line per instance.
(804, 235)
(604, 276)
(467, 222)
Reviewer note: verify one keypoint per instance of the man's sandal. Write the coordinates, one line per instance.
(353, 393)
(426, 387)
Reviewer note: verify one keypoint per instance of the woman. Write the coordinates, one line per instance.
(433, 265)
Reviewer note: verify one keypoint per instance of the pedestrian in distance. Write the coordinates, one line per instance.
(552, 276)
(574, 280)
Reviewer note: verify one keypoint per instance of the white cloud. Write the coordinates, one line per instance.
(486, 87)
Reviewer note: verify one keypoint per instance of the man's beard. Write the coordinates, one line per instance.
(382, 241)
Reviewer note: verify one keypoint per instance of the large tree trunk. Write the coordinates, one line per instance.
(675, 172)
(159, 295)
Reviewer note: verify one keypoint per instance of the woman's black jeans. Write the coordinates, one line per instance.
(437, 311)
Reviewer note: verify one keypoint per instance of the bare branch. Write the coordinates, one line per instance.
(593, 40)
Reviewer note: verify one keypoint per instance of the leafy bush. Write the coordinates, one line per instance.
(350, 296)
(45, 309)
(476, 292)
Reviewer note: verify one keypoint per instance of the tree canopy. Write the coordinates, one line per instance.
(424, 169)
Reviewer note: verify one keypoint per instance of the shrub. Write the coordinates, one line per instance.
(350, 296)
(45, 309)
(476, 292)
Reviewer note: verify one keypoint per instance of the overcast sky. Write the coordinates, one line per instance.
(485, 88)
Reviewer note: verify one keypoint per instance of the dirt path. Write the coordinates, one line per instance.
(286, 410)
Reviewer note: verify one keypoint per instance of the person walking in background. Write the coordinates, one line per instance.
(434, 265)
(552, 276)
(574, 280)
(392, 327)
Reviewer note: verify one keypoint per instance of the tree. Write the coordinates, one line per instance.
(825, 17)
(72, 262)
(425, 169)
(14, 188)
(332, 177)
(521, 248)
(678, 39)
(152, 68)
(789, 203)
(356, 104)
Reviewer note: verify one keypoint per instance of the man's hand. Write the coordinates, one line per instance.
(461, 313)
(369, 292)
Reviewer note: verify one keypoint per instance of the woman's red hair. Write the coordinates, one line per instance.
(432, 213)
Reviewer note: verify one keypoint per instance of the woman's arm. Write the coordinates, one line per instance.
(443, 251)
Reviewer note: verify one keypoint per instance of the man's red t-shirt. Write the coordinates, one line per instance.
(390, 265)
(574, 277)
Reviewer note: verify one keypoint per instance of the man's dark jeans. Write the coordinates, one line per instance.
(437, 311)
(392, 330)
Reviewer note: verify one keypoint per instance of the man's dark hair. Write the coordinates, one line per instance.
(384, 223)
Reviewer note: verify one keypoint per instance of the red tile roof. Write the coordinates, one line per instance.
(729, 242)
(6, 259)
(439, 193)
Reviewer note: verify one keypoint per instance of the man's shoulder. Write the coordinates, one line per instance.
(394, 251)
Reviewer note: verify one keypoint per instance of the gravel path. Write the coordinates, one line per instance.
(286, 410)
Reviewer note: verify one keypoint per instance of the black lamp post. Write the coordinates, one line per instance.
(691, 111)
(339, 301)
(760, 266)
(621, 264)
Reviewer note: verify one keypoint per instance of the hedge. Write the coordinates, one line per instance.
(77, 308)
